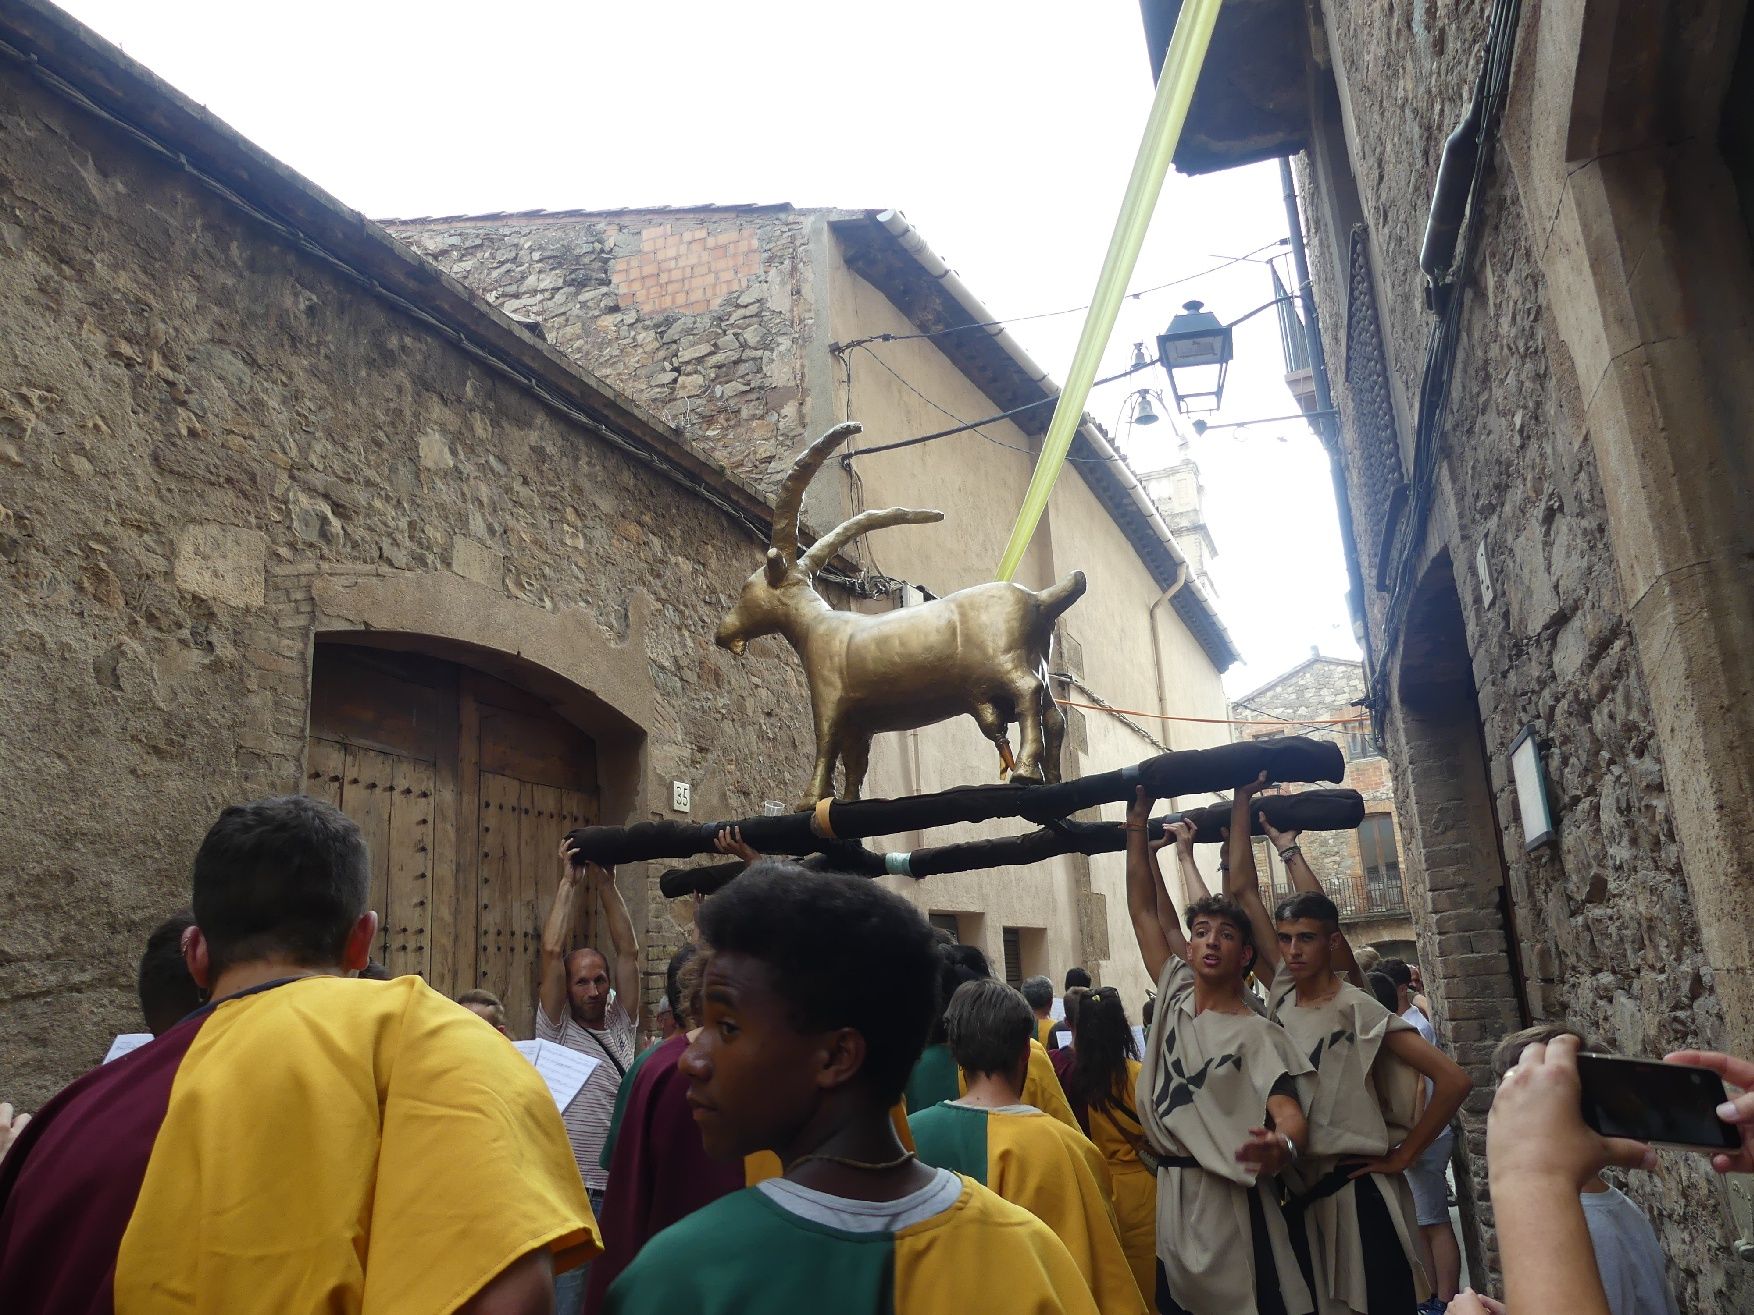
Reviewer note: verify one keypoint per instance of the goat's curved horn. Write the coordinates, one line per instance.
(785, 507)
(823, 550)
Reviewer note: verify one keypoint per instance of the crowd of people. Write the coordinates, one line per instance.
(842, 1111)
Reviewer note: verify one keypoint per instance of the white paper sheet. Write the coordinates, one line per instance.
(126, 1042)
(564, 1070)
(1063, 1038)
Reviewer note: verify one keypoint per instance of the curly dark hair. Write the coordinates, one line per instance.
(1222, 906)
(1102, 1043)
(842, 952)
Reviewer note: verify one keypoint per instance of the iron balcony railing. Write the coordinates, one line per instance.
(1371, 894)
(1293, 341)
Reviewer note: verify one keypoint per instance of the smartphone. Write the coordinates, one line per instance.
(1649, 1101)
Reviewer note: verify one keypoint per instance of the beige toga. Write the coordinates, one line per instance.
(1362, 1108)
(1204, 1084)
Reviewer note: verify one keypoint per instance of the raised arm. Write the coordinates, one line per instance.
(1166, 914)
(1303, 877)
(1193, 884)
(625, 970)
(1145, 890)
(1450, 1087)
(1241, 883)
(555, 934)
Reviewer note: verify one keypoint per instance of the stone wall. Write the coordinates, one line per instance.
(696, 314)
(199, 426)
(1605, 934)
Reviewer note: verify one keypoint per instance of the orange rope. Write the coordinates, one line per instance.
(1218, 721)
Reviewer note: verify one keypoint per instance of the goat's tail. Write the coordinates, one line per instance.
(1057, 598)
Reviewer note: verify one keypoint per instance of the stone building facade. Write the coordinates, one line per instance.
(284, 508)
(1543, 454)
(748, 326)
(1320, 697)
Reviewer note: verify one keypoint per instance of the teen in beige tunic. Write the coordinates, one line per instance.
(1357, 1221)
(1217, 1098)
(1222, 1243)
(1362, 1109)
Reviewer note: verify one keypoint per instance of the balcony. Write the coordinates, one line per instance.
(1294, 343)
(1379, 893)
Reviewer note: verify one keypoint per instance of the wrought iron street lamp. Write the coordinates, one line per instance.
(1195, 350)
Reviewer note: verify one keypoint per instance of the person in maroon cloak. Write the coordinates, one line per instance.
(658, 1169)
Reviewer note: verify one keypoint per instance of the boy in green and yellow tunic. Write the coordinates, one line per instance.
(799, 1055)
(991, 1135)
(935, 1076)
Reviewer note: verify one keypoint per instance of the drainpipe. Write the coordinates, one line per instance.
(1181, 578)
(1325, 419)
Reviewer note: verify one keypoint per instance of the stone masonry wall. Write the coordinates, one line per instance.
(196, 421)
(1310, 697)
(1608, 936)
(698, 315)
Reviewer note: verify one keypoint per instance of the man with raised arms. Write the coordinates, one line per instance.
(1358, 1221)
(1219, 1099)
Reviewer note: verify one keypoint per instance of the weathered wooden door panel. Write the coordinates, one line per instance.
(463, 786)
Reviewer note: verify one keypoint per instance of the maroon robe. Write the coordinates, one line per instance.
(659, 1172)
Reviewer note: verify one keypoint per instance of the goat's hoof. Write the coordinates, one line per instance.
(1026, 776)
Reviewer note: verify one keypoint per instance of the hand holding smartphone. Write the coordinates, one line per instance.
(1659, 1103)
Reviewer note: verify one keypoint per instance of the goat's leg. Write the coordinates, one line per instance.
(1027, 690)
(855, 758)
(1053, 734)
(822, 777)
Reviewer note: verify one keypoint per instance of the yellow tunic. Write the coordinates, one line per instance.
(1050, 1170)
(342, 1145)
(1118, 1136)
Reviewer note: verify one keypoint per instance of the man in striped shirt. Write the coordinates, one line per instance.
(576, 1010)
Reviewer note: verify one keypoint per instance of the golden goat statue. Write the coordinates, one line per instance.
(981, 651)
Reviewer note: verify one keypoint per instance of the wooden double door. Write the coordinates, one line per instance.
(464, 785)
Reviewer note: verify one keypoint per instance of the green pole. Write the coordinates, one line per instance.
(1163, 129)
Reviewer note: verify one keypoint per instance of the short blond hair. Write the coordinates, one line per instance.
(489, 1004)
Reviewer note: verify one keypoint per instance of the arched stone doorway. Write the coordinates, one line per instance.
(463, 782)
(1459, 884)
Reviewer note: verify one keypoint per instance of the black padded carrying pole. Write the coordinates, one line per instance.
(1310, 810)
(1194, 771)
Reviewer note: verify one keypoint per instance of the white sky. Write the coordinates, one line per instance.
(1005, 132)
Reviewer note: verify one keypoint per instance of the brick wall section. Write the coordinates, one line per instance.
(1303, 702)
(1608, 934)
(195, 419)
(699, 316)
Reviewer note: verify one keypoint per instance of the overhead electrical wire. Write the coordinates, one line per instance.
(992, 419)
(1069, 310)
